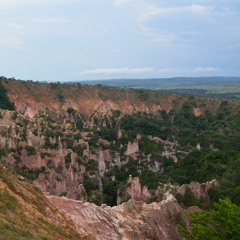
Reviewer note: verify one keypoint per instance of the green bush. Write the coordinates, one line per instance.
(4, 99)
(220, 223)
(95, 197)
(90, 183)
(92, 165)
(148, 146)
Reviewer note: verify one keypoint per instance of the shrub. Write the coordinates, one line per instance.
(220, 223)
(4, 100)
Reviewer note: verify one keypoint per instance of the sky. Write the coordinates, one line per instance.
(71, 40)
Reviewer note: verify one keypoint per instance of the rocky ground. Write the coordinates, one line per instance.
(100, 156)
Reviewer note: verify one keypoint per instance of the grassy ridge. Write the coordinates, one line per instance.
(23, 212)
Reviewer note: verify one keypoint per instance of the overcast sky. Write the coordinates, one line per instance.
(108, 39)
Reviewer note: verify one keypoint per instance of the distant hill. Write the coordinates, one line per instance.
(219, 87)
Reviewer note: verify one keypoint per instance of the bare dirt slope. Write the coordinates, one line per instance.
(34, 96)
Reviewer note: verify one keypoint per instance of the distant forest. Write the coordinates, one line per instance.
(214, 87)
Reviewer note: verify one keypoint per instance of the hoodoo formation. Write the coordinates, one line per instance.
(93, 162)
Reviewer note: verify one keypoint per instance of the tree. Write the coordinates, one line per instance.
(220, 223)
(4, 100)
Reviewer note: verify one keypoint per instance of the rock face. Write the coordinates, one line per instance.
(137, 192)
(68, 161)
(133, 220)
(132, 148)
(103, 156)
(199, 190)
(68, 137)
(78, 193)
(134, 190)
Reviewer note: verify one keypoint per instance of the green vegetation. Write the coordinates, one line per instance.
(146, 124)
(61, 98)
(220, 223)
(188, 200)
(215, 130)
(1, 153)
(148, 146)
(70, 110)
(29, 173)
(92, 165)
(218, 136)
(225, 92)
(108, 133)
(207, 147)
(153, 180)
(217, 87)
(110, 189)
(4, 99)
(143, 95)
(23, 212)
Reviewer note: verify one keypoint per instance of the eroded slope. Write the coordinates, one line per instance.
(25, 213)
